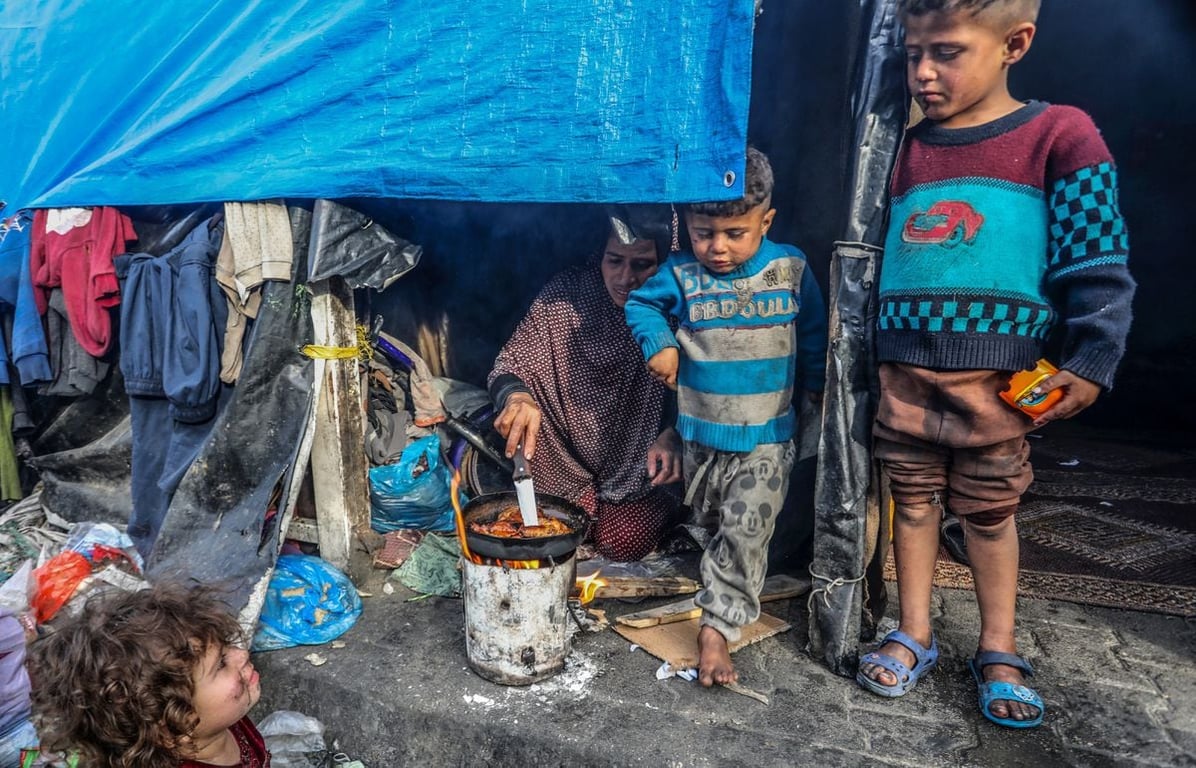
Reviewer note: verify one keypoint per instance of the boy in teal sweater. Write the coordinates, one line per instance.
(749, 312)
(1004, 231)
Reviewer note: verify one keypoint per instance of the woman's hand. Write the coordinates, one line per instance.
(1078, 394)
(663, 367)
(519, 422)
(664, 458)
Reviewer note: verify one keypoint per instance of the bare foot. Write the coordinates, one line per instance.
(1012, 709)
(714, 660)
(897, 651)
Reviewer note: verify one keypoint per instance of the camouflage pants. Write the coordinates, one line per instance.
(739, 496)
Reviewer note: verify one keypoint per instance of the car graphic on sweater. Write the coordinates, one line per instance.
(947, 223)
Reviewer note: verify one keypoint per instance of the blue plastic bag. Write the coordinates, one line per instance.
(308, 602)
(413, 493)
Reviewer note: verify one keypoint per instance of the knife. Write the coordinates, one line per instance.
(525, 490)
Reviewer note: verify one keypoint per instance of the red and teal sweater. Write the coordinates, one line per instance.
(999, 235)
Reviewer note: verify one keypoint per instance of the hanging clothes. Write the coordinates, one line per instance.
(257, 247)
(260, 234)
(27, 341)
(172, 320)
(74, 248)
(10, 471)
(76, 373)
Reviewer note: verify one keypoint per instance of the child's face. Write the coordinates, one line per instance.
(956, 65)
(722, 243)
(226, 688)
(626, 267)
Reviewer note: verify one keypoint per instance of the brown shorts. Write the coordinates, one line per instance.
(948, 433)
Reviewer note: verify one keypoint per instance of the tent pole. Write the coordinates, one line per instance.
(849, 525)
(340, 473)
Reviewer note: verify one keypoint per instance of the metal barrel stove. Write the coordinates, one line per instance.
(516, 616)
(517, 621)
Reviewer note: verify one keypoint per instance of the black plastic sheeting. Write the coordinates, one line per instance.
(348, 244)
(83, 456)
(847, 506)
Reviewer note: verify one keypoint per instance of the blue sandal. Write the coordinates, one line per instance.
(926, 659)
(992, 690)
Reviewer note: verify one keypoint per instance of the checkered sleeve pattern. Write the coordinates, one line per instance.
(1086, 226)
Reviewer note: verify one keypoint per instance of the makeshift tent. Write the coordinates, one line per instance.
(549, 100)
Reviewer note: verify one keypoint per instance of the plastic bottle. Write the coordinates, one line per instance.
(1020, 393)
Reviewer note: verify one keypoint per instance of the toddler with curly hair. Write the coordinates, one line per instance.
(150, 679)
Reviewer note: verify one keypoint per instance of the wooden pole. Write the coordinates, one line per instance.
(340, 472)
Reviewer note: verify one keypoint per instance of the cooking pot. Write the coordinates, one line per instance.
(485, 508)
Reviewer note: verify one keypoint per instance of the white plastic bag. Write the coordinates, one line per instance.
(14, 593)
(294, 739)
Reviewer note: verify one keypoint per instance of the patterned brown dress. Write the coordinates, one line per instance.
(600, 410)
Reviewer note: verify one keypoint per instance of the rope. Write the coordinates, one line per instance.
(699, 476)
(831, 584)
(363, 348)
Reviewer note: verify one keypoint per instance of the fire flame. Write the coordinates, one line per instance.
(454, 491)
(515, 565)
(518, 565)
(588, 587)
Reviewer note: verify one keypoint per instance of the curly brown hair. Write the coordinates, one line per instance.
(757, 188)
(116, 682)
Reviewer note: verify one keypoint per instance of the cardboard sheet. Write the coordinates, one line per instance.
(677, 643)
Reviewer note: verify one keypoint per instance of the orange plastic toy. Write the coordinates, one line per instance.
(1020, 393)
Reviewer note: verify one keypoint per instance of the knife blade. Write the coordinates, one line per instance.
(525, 489)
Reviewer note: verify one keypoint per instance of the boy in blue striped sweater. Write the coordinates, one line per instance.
(749, 313)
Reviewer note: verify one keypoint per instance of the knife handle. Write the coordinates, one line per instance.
(520, 463)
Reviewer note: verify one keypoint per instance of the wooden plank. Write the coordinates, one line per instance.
(779, 587)
(340, 472)
(660, 586)
(303, 529)
(677, 642)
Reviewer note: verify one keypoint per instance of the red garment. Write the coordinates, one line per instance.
(1054, 142)
(630, 530)
(253, 748)
(79, 260)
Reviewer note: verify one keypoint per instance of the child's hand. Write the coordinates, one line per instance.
(1078, 394)
(663, 367)
(28, 625)
(664, 458)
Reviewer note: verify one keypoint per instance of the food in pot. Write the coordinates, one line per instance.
(509, 525)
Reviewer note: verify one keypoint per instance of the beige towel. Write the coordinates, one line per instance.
(256, 247)
(239, 314)
(260, 236)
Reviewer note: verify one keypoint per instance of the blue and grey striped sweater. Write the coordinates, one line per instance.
(743, 337)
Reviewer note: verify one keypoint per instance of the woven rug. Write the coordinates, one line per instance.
(1110, 520)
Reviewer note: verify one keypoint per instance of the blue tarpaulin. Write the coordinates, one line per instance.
(123, 102)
